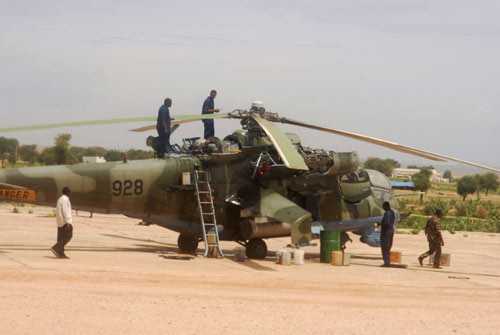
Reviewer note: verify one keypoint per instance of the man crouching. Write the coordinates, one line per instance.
(64, 221)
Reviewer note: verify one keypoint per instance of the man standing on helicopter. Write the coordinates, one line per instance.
(209, 108)
(163, 127)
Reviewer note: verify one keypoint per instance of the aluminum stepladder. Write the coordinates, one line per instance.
(208, 218)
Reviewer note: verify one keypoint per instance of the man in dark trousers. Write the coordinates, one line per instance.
(209, 108)
(434, 238)
(64, 220)
(163, 128)
(387, 233)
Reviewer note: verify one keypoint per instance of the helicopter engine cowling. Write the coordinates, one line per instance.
(343, 163)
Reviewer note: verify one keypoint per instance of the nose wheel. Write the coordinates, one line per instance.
(256, 249)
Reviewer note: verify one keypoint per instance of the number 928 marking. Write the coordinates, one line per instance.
(127, 187)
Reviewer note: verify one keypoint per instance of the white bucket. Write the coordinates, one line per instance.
(347, 259)
(298, 257)
(279, 254)
(284, 257)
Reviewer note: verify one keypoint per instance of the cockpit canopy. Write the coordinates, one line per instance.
(378, 179)
(359, 185)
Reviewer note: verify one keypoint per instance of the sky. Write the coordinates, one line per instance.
(417, 72)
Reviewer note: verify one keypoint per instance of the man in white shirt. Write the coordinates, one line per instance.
(64, 221)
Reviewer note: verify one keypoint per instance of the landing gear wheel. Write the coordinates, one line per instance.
(187, 243)
(256, 249)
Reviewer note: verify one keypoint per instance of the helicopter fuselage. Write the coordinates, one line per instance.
(156, 192)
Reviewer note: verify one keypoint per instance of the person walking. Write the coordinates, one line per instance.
(209, 108)
(434, 238)
(387, 233)
(64, 223)
(163, 126)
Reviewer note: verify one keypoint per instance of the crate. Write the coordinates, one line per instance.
(340, 258)
(445, 260)
(186, 178)
(395, 257)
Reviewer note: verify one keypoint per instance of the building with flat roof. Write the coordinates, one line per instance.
(93, 159)
(407, 174)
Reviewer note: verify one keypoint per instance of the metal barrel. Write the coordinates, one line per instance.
(329, 241)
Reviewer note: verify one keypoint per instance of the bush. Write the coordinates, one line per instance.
(431, 206)
(481, 212)
(466, 208)
(413, 222)
(452, 224)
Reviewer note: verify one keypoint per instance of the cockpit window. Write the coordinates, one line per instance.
(378, 179)
(355, 177)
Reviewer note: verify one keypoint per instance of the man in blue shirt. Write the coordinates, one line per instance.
(209, 108)
(387, 233)
(163, 128)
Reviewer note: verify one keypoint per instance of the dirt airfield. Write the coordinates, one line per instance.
(124, 278)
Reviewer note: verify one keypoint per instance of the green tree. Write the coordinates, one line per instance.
(96, 151)
(385, 166)
(136, 154)
(479, 185)
(467, 185)
(422, 180)
(62, 153)
(47, 156)
(489, 182)
(9, 146)
(393, 162)
(447, 175)
(428, 167)
(77, 153)
(28, 153)
(113, 155)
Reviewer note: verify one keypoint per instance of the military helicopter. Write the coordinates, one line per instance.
(254, 184)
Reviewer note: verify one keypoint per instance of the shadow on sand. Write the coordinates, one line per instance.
(430, 269)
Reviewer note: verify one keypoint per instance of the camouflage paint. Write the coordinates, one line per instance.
(105, 187)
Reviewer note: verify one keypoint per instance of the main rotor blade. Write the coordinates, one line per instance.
(76, 124)
(391, 145)
(180, 119)
(285, 148)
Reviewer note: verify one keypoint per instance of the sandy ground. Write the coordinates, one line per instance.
(123, 278)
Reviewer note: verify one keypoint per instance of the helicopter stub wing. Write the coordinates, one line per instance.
(278, 207)
(390, 145)
(181, 119)
(286, 150)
